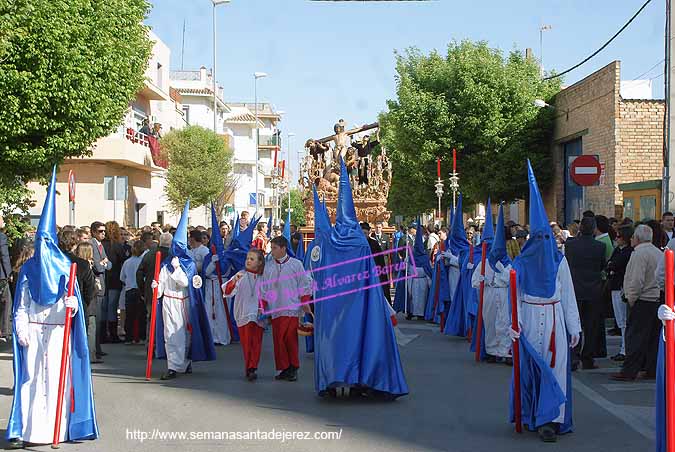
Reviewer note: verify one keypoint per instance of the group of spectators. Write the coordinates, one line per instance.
(617, 271)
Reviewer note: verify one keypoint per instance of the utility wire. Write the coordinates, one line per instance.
(648, 71)
(603, 46)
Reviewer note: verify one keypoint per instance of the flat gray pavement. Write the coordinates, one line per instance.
(454, 405)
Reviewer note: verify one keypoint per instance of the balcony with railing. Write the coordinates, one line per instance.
(269, 141)
(129, 148)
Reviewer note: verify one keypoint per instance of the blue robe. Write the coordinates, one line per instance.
(354, 340)
(540, 394)
(440, 279)
(464, 303)
(82, 421)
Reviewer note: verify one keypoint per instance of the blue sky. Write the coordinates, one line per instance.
(329, 60)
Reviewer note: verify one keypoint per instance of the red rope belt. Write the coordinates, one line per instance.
(551, 346)
(185, 311)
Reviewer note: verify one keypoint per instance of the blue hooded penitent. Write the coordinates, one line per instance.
(46, 277)
(458, 241)
(458, 321)
(353, 335)
(538, 262)
(439, 282)
(540, 393)
(201, 341)
(217, 242)
(498, 250)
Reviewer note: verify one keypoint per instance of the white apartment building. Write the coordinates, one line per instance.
(124, 178)
(236, 122)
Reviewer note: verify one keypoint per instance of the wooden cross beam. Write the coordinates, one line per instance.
(351, 132)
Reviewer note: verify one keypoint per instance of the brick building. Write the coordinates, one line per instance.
(595, 116)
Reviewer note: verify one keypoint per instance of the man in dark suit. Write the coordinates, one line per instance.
(101, 265)
(379, 260)
(586, 258)
(384, 241)
(5, 296)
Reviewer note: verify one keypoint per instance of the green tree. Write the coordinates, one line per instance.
(475, 100)
(68, 70)
(199, 166)
(297, 208)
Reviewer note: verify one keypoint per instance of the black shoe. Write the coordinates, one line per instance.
(409, 317)
(293, 374)
(547, 433)
(614, 332)
(100, 354)
(15, 443)
(508, 361)
(491, 359)
(283, 375)
(189, 369)
(589, 366)
(170, 375)
(96, 361)
(618, 357)
(251, 375)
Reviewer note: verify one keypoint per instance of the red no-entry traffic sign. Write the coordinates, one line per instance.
(71, 185)
(585, 170)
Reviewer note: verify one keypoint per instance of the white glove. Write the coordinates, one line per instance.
(665, 313)
(23, 340)
(215, 259)
(574, 340)
(175, 263)
(500, 266)
(514, 335)
(469, 265)
(154, 284)
(71, 302)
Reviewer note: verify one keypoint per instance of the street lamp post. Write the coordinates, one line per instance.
(542, 29)
(288, 157)
(215, 93)
(256, 76)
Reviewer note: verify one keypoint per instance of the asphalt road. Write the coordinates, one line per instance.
(454, 405)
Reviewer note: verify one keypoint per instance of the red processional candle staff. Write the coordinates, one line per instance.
(153, 318)
(64, 359)
(517, 406)
(670, 355)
